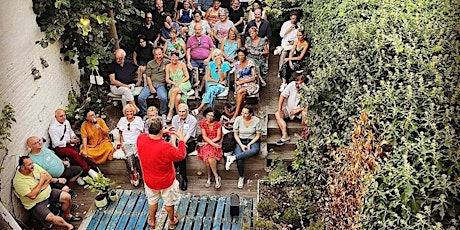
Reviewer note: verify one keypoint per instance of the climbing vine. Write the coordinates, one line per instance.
(6, 121)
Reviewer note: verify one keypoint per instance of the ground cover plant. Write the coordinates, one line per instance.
(398, 62)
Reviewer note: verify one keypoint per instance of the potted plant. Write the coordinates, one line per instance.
(103, 187)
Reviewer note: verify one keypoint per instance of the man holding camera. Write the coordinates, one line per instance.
(160, 181)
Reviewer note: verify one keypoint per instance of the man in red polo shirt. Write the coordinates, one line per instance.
(157, 159)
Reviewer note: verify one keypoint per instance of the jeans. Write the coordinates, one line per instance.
(240, 155)
(162, 95)
(195, 63)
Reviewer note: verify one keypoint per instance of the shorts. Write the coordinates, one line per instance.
(71, 172)
(40, 211)
(170, 195)
(287, 114)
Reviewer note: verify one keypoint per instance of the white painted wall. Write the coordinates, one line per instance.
(33, 100)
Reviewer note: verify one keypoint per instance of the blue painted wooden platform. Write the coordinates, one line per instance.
(196, 212)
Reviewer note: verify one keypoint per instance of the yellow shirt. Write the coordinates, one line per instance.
(23, 185)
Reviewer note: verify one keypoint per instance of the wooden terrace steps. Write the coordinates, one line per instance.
(195, 212)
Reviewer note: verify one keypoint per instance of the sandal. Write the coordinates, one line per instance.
(176, 220)
(218, 182)
(208, 183)
(135, 179)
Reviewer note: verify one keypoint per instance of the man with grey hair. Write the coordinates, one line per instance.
(188, 123)
(160, 181)
(122, 78)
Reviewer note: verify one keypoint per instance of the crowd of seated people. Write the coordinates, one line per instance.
(174, 40)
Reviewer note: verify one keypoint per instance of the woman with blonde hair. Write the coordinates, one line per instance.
(216, 80)
(230, 45)
(130, 127)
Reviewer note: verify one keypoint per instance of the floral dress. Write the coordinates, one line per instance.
(174, 46)
(184, 87)
(242, 74)
(206, 151)
(260, 60)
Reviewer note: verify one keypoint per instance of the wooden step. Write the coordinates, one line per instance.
(281, 155)
(292, 127)
(252, 165)
(290, 146)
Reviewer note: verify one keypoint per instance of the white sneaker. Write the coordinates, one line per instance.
(241, 182)
(92, 173)
(80, 181)
(278, 50)
(191, 92)
(230, 160)
(282, 87)
(194, 153)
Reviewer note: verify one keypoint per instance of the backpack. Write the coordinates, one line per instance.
(228, 142)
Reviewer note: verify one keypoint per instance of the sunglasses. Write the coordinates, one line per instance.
(129, 126)
(199, 42)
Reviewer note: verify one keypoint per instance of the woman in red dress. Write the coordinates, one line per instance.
(211, 149)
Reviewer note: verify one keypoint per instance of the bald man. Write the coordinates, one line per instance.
(199, 49)
(63, 140)
(62, 172)
(121, 74)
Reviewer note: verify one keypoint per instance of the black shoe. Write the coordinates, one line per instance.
(74, 207)
(183, 185)
(73, 195)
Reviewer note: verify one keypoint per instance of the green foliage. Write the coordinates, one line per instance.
(6, 120)
(99, 184)
(95, 99)
(399, 61)
(83, 27)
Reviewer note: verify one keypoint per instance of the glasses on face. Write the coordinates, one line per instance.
(148, 17)
(63, 115)
(129, 126)
(210, 115)
(37, 142)
(182, 111)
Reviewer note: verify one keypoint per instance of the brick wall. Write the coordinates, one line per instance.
(33, 100)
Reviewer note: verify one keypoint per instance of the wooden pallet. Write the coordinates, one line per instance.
(196, 212)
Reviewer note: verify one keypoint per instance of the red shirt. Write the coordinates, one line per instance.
(156, 158)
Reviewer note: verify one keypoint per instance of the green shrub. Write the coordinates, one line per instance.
(399, 62)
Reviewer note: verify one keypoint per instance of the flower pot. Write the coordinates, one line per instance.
(113, 196)
(100, 200)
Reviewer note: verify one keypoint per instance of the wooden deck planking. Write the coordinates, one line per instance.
(199, 218)
(124, 197)
(216, 225)
(136, 211)
(124, 218)
(196, 212)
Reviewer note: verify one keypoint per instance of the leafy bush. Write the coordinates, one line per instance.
(399, 62)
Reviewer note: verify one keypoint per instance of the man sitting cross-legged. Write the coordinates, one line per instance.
(121, 77)
(32, 185)
(291, 110)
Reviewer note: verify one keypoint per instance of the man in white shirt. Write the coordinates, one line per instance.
(292, 109)
(288, 34)
(63, 140)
